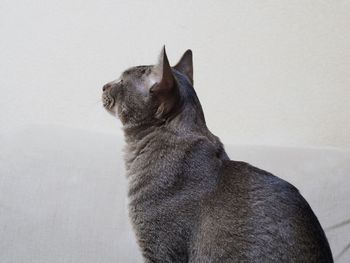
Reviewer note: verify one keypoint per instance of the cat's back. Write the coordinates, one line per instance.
(257, 217)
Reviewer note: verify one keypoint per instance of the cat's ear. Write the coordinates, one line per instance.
(185, 65)
(167, 80)
(165, 90)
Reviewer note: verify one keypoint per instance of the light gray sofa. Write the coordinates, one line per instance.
(63, 194)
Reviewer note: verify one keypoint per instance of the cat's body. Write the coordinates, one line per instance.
(188, 201)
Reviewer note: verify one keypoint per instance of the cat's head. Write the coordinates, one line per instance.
(146, 94)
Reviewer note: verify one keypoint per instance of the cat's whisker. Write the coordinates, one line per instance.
(97, 102)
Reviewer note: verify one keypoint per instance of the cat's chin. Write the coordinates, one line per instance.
(112, 111)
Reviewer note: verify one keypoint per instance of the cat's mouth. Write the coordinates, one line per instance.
(107, 101)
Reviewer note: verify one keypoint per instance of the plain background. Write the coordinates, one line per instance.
(267, 72)
(271, 73)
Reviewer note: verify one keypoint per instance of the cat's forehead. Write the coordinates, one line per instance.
(141, 77)
(137, 72)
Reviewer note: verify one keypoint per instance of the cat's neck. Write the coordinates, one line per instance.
(183, 129)
(187, 122)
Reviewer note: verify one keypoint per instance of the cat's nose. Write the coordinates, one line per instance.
(105, 87)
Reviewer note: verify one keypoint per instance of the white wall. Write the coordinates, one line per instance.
(267, 72)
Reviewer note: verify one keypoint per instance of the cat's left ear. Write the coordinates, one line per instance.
(167, 80)
(185, 65)
(165, 90)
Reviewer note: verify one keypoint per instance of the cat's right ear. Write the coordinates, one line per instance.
(185, 65)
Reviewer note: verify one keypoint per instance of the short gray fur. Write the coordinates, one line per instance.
(188, 201)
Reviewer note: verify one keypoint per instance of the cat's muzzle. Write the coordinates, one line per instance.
(108, 101)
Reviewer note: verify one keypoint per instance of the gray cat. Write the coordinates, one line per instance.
(188, 201)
